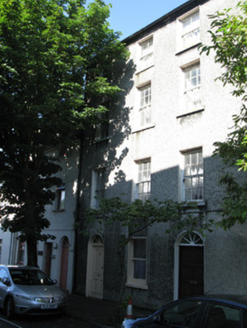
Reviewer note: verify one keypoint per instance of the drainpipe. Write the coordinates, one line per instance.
(77, 210)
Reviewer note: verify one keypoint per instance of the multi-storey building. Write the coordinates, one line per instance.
(159, 144)
(56, 255)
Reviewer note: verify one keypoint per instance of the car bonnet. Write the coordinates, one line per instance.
(38, 290)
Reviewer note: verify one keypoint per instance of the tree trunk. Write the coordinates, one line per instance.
(30, 231)
(31, 252)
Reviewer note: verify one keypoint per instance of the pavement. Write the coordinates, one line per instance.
(100, 313)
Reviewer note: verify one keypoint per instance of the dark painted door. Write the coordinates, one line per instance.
(64, 264)
(191, 281)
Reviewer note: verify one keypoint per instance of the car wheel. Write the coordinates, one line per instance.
(9, 308)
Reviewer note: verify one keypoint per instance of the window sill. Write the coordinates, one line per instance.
(144, 69)
(97, 141)
(188, 48)
(199, 204)
(58, 211)
(143, 128)
(135, 285)
(190, 113)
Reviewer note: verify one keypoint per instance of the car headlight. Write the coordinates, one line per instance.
(24, 297)
(59, 298)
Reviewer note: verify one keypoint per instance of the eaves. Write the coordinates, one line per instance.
(164, 20)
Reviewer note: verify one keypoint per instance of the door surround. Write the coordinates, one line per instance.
(185, 238)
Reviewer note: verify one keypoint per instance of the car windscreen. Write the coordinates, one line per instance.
(29, 277)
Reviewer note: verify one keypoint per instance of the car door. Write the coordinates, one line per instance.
(184, 314)
(3, 287)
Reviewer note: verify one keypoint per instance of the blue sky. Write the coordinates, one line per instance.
(129, 16)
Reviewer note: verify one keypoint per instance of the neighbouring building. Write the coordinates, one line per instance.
(55, 256)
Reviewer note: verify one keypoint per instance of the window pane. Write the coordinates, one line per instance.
(145, 105)
(100, 186)
(187, 171)
(222, 316)
(192, 77)
(188, 183)
(183, 314)
(245, 318)
(144, 180)
(195, 17)
(147, 47)
(62, 200)
(145, 116)
(191, 30)
(139, 269)
(139, 258)
(140, 248)
(146, 96)
(193, 176)
(186, 24)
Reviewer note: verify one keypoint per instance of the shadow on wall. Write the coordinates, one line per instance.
(107, 153)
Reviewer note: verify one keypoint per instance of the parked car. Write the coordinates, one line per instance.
(28, 290)
(218, 311)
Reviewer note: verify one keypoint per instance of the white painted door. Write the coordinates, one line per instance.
(97, 271)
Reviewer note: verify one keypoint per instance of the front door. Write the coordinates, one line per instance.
(97, 274)
(64, 264)
(95, 267)
(191, 281)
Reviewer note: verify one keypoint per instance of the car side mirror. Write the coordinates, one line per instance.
(6, 281)
(156, 318)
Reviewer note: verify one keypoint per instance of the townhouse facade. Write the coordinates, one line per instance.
(159, 145)
(56, 255)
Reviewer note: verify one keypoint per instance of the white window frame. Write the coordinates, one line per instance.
(21, 253)
(193, 176)
(102, 128)
(189, 29)
(98, 186)
(143, 186)
(145, 104)
(132, 260)
(146, 47)
(192, 87)
(60, 198)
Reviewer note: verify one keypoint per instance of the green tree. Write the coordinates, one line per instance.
(229, 45)
(56, 64)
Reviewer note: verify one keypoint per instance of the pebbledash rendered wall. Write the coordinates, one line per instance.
(62, 222)
(171, 132)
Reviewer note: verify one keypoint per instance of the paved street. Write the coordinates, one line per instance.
(40, 322)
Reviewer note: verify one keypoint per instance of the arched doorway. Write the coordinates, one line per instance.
(189, 265)
(64, 263)
(95, 267)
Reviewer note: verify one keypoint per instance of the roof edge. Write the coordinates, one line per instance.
(164, 20)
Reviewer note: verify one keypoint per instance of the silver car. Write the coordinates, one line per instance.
(28, 290)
